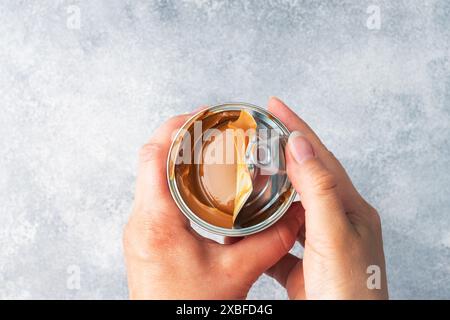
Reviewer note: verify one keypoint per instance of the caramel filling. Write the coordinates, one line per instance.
(217, 187)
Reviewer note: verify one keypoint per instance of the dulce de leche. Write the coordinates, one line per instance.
(211, 178)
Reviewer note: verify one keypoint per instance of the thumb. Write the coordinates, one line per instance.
(324, 212)
(256, 253)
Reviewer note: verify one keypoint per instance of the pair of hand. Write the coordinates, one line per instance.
(339, 230)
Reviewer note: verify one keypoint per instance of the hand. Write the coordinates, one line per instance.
(342, 235)
(166, 259)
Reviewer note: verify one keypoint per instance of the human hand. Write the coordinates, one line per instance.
(342, 234)
(166, 259)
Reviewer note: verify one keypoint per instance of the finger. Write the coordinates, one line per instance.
(324, 212)
(301, 232)
(301, 238)
(231, 240)
(294, 123)
(288, 272)
(281, 270)
(257, 253)
(152, 192)
(349, 195)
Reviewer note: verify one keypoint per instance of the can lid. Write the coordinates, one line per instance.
(265, 159)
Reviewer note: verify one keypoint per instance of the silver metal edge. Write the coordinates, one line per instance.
(200, 222)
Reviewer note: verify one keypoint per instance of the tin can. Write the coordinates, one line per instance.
(234, 195)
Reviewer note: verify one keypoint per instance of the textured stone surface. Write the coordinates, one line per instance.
(76, 104)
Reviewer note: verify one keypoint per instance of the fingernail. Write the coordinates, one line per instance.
(276, 98)
(300, 147)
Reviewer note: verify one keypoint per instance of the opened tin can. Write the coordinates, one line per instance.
(226, 169)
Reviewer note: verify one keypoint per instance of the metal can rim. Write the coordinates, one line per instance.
(184, 208)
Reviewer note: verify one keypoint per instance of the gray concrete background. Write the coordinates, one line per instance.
(76, 104)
